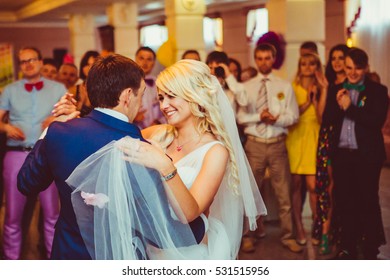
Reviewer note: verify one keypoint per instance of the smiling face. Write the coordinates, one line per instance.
(30, 64)
(355, 74)
(68, 75)
(176, 110)
(338, 61)
(49, 71)
(308, 66)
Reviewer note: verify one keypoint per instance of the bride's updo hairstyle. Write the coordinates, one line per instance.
(192, 81)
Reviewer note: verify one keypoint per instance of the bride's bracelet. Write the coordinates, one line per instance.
(169, 176)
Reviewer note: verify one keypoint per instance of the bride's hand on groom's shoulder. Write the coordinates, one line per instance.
(150, 155)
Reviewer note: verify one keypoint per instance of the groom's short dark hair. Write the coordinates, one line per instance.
(109, 76)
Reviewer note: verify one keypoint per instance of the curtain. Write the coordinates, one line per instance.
(373, 35)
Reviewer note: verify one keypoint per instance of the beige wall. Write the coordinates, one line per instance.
(234, 36)
(234, 23)
(335, 32)
(44, 38)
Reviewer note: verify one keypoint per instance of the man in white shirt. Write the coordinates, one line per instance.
(150, 113)
(270, 108)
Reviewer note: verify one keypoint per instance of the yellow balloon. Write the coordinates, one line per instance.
(167, 52)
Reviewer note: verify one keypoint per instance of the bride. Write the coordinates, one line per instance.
(204, 171)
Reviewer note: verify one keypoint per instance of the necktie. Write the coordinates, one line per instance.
(38, 86)
(149, 82)
(262, 104)
(358, 88)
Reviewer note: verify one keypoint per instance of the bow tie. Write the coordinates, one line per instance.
(358, 88)
(149, 82)
(38, 86)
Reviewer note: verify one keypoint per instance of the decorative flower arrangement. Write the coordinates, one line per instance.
(280, 96)
(278, 42)
(362, 101)
(98, 199)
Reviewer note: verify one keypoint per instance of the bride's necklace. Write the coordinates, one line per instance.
(179, 147)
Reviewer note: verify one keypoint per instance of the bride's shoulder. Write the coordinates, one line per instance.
(216, 149)
(154, 130)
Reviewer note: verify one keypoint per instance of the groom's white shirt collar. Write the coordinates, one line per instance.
(113, 113)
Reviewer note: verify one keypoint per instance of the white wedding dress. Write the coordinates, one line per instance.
(216, 244)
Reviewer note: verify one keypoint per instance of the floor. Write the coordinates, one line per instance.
(268, 248)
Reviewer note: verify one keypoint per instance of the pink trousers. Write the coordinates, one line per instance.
(14, 208)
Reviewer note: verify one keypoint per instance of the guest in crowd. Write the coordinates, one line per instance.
(248, 73)
(308, 47)
(357, 109)
(269, 110)
(67, 74)
(149, 114)
(80, 91)
(218, 63)
(29, 103)
(335, 75)
(49, 69)
(191, 54)
(310, 90)
(235, 68)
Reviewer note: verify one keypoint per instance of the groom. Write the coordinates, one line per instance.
(115, 87)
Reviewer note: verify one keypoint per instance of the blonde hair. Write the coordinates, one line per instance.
(192, 81)
(316, 58)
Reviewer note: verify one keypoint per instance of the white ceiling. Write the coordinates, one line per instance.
(15, 12)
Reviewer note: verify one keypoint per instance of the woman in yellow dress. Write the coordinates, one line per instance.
(310, 90)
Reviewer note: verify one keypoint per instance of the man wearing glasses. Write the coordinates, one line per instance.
(29, 103)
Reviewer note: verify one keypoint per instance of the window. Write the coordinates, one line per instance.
(213, 33)
(257, 23)
(153, 36)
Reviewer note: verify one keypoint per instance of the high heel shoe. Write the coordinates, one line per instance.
(324, 247)
(301, 242)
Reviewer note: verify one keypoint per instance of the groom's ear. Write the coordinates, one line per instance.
(125, 96)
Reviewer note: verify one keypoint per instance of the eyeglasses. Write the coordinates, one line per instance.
(28, 61)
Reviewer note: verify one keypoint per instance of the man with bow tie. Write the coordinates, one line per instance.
(357, 109)
(150, 113)
(29, 103)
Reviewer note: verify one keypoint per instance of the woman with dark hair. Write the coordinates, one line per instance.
(80, 91)
(334, 71)
(235, 68)
(335, 75)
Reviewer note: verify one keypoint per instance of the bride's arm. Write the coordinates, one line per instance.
(197, 200)
(207, 183)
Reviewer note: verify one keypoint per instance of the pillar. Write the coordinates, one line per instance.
(82, 35)
(185, 25)
(297, 21)
(123, 17)
(235, 42)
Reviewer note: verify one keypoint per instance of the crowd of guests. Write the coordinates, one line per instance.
(319, 134)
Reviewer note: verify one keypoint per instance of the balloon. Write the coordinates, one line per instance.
(166, 54)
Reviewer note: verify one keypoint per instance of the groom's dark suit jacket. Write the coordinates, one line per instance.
(65, 146)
